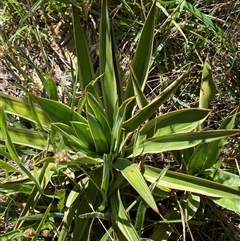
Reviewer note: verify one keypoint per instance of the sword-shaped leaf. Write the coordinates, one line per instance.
(135, 178)
(179, 141)
(20, 107)
(189, 183)
(121, 219)
(146, 112)
(58, 112)
(107, 68)
(175, 122)
(141, 61)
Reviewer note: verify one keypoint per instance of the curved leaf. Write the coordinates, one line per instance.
(208, 87)
(185, 182)
(20, 107)
(230, 204)
(121, 219)
(135, 178)
(206, 155)
(179, 141)
(26, 137)
(175, 122)
(142, 58)
(57, 111)
(98, 135)
(146, 112)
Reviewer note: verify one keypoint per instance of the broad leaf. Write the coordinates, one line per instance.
(26, 137)
(20, 107)
(179, 141)
(146, 112)
(98, 135)
(100, 115)
(69, 133)
(121, 219)
(135, 178)
(226, 178)
(185, 182)
(206, 155)
(175, 122)
(58, 112)
(230, 204)
(191, 205)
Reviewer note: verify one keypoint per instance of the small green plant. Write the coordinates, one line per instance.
(91, 172)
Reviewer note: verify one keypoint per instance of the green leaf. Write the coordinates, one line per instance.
(82, 226)
(52, 89)
(85, 68)
(20, 136)
(226, 178)
(175, 122)
(20, 107)
(41, 222)
(83, 160)
(142, 58)
(105, 178)
(208, 87)
(108, 80)
(7, 167)
(69, 133)
(135, 178)
(195, 164)
(206, 155)
(185, 182)
(9, 187)
(98, 135)
(121, 219)
(58, 112)
(41, 180)
(116, 64)
(100, 115)
(15, 235)
(4, 153)
(140, 97)
(117, 131)
(146, 112)
(228, 203)
(72, 204)
(206, 19)
(192, 203)
(142, 207)
(80, 130)
(179, 141)
(26, 137)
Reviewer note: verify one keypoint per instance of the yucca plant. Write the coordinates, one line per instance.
(94, 154)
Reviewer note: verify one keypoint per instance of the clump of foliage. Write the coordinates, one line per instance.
(93, 174)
